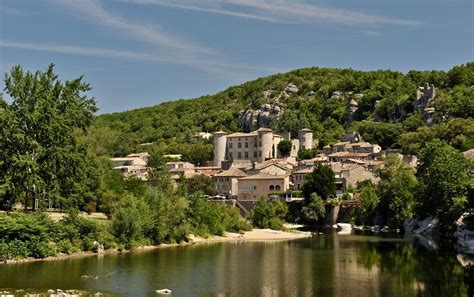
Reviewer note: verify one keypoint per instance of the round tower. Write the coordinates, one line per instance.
(220, 143)
(306, 139)
(265, 144)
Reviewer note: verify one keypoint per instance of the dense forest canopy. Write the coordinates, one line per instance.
(386, 111)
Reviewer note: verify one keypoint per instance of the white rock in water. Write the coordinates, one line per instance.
(164, 291)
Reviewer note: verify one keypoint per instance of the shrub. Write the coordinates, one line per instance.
(269, 214)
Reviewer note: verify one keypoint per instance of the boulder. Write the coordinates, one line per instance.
(336, 94)
(291, 88)
(428, 225)
(99, 247)
(344, 228)
(410, 224)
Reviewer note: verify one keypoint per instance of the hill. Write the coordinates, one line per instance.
(386, 107)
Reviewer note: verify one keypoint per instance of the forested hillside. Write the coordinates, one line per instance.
(386, 111)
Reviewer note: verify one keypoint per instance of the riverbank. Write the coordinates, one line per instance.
(255, 235)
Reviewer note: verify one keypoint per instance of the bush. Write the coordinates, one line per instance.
(269, 214)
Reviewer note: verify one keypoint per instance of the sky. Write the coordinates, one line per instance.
(137, 53)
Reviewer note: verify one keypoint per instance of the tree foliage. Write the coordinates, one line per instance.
(284, 148)
(269, 214)
(444, 179)
(41, 158)
(396, 191)
(321, 181)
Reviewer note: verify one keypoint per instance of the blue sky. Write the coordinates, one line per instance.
(138, 53)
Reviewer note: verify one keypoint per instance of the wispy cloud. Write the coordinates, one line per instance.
(94, 12)
(206, 8)
(11, 11)
(210, 65)
(371, 33)
(280, 11)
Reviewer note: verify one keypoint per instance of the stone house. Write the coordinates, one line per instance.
(132, 165)
(226, 182)
(299, 177)
(253, 187)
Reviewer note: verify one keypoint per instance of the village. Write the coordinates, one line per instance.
(249, 166)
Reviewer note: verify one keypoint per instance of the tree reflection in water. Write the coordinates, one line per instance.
(428, 272)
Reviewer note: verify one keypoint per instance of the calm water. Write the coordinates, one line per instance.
(326, 265)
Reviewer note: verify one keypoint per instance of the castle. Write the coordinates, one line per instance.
(256, 146)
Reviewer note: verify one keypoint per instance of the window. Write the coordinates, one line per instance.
(230, 144)
(304, 139)
(239, 145)
(239, 155)
(260, 143)
(271, 188)
(259, 153)
(246, 145)
(277, 188)
(230, 155)
(255, 143)
(255, 188)
(255, 154)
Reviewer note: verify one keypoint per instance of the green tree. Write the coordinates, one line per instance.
(365, 212)
(444, 180)
(197, 153)
(396, 190)
(321, 181)
(284, 148)
(269, 214)
(313, 209)
(41, 158)
(202, 183)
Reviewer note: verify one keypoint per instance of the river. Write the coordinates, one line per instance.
(324, 265)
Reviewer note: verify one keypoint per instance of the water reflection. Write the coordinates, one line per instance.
(326, 265)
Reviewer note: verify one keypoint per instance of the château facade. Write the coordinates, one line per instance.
(256, 146)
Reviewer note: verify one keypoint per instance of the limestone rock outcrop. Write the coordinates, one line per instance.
(265, 116)
(291, 88)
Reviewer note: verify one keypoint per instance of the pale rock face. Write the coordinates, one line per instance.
(291, 88)
(265, 116)
(336, 94)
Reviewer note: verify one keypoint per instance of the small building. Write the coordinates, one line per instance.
(299, 177)
(172, 166)
(226, 182)
(132, 165)
(253, 187)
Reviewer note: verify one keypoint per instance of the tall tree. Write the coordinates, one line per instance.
(284, 148)
(396, 190)
(444, 180)
(321, 181)
(39, 152)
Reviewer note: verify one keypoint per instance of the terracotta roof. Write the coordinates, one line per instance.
(304, 171)
(338, 154)
(232, 172)
(241, 134)
(264, 176)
